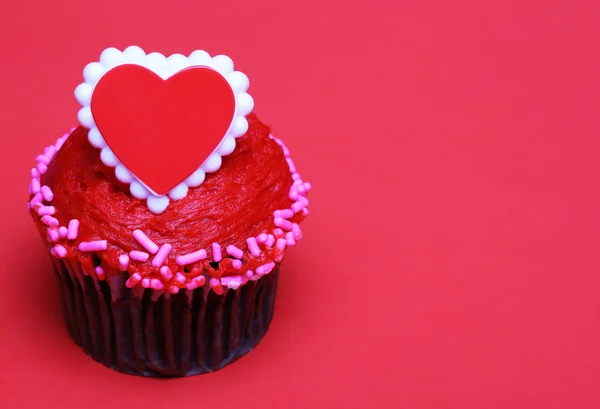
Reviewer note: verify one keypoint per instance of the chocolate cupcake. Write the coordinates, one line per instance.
(167, 214)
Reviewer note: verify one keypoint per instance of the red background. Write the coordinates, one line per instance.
(451, 256)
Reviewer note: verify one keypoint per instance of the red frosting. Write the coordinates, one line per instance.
(231, 205)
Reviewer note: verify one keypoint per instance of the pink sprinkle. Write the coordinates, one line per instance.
(73, 229)
(296, 176)
(156, 284)
(62, 232)
(281, 243)
(42, 159)
(35, 174)
(60, 250)
(46, 210)
(162, 254)
(285, 213)
(289, 238)
(173, 290)
(42, 168)
(36, 199)
(253, 246)
(50, 221)
(277, 232)
(179, 278)
(139, 255)
(123, 262)
(51, 151)
(291, 165)
(297, 231)
(234, 251)
(232, 282)
(214, 282)
(146, 282)
(303, 199)
(195, 283)
(270, 240)
(305, 212)
(294, 193)
(249, 273)
(297, 206)
(216, 250)
(283, 223)
(145, 241)
(191, 257)
(100, 273)
(47, 193)
(53, 235)
(237, 264)
(262, 238)
(97, 245)
(307, 186)
(265, 268)
(35, 186)
(166, 273)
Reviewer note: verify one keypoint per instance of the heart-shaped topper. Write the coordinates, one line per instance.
(163, 122)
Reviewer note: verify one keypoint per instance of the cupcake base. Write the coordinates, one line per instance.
(148, 333)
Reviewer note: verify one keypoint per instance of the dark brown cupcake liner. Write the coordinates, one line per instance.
(144, 332)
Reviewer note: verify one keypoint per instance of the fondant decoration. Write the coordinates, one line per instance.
(162, 122)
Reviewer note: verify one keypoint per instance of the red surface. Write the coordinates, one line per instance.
(162, 120)
(451, 256)
(84, 189)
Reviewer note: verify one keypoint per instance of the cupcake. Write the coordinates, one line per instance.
(167, 213)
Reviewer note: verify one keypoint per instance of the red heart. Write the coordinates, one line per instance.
(162, 130)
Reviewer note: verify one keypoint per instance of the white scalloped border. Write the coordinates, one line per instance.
(164, 67)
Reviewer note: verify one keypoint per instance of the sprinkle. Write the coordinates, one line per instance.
(214, 282)
(42, 168)
(297, 206)
(62, 232)
(51, 151)
(232, 282)
(100, 273)
(36, 199)
(73, 229)
(234, 251)
(307, 186)
(35, 174)
(53, 234)
(145, 241)
(97, 245)
(270, 240)
(294, 193)
(179, 278)
(262, 237)
(162, 254)
(173, 290)
(195, 283)
(42, 159)
(165, 273)
(297, 231)
(289, 238)
(303, 200)
(35, 186)
(291, 165)
(265, 268)
(139, 255)
(60, 250)
(216, 250)
(47, 193)
(216, 286)
(123, 262)
(191, 257)
(50, 221)
(305, 212)
(255, 277)
(283, 223)
(156, 284)
(285, 213)
(281, 243)
(237, 264)
(249, 273)
(278, 232)
(296, 176)
(253, 246)
(46, 210)
(146, 282)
